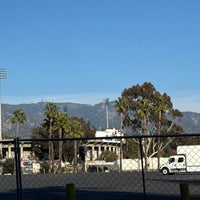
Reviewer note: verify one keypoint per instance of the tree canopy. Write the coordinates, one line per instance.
(147, 112)
(59, 125)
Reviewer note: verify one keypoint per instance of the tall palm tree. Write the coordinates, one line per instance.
(18, 118)
(51, 112)
(162, 105)
(144, 109)
(121, 106)
(75, 131)
(61, 124)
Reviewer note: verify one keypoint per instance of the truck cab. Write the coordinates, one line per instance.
(175, 163)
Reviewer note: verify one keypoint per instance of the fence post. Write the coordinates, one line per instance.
(71, 194)
(141, 157)
(18, 169)
(185, 193)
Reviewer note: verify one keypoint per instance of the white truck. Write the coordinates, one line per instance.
(187, 159)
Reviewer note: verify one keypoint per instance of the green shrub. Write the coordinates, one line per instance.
(110, 156)
(8, 166)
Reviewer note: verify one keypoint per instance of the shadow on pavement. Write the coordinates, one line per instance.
(52, 193)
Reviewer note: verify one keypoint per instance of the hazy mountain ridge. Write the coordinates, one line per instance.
(95, 114)
(191, 122)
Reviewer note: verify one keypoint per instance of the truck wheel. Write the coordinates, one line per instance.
(165, 171)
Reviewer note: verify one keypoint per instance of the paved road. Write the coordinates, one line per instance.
(106, 186)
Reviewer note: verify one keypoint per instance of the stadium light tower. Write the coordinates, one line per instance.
(2, 76)
(105, 104)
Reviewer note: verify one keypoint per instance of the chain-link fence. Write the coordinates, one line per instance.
(131, 167)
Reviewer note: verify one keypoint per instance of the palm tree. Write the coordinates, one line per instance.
(18, 118)
(75, 131)
(144, 109)
(162, 105)
(121, 106)
(51, 112)
(61, 123)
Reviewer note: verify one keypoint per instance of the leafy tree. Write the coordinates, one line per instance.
(41, 148)
(18, 118)
(148, 113)
(8, 166)
(88, 129)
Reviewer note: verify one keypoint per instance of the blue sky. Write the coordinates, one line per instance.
(84, 51)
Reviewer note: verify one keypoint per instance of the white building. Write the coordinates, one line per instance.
(26, 152)
(9, 151)
(94, 149)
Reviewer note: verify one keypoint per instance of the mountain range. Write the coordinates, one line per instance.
(95, 114)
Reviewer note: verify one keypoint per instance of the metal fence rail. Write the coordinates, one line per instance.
(130, 174)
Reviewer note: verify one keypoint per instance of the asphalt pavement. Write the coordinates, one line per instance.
(104, 186)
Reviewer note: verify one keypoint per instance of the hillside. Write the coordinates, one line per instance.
(95, 114)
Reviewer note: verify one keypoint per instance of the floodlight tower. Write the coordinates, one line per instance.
(106, 102)
(2, 76)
